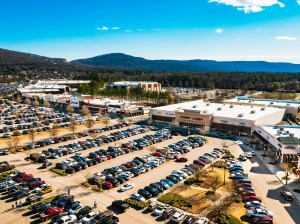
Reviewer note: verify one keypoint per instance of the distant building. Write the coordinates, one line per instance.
(200, 115)
(147, 86)
(65, 82)
(292, 107)
(53, 89)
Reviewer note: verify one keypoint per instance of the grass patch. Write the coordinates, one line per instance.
(228, 219)
(276, 95)
(46, 200)
(174, 199)
(7, 173)
(92, 187)
(59, 172)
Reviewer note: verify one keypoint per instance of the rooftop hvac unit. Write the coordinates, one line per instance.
(279, 132)
(219, 108)
(252, 112)
(231, 106)
(205, 111)
(292, 134)
(241, 115)
(281, 128)
(262, 108)
(287, 132)
(195, 106)
(207, 104)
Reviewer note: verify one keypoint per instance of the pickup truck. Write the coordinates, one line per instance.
(120, 204)
(50, 212)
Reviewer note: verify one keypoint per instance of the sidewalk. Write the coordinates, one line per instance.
(278, 172)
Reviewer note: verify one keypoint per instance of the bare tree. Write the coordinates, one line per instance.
(69, 108)
(224, 145)
(13, 143)
(19, 99)
(54, 131)
(151, 149)
(36, 103)
(73, 126)
(287, 171)
(85, 110)
(46, 104)
(221, 206)
(89, 123)
(200, 174)
(28, 101)
(32, 135)
(105, 121)
(94, 135)
(213, 182)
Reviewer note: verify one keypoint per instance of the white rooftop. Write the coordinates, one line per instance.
(221, 110)
(61, 81)
(265, 102)
(282, 130)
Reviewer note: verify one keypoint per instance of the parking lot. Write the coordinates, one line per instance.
(265, 183)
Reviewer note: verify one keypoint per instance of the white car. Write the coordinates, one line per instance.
(138, 197)
(159, 210)
(43, 186)
(75, 209)
(248, 155)
(203, 220)
(126, 187)
(89, 217)
(178, 217)
(66, 219)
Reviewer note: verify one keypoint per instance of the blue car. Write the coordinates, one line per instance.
(170, 183)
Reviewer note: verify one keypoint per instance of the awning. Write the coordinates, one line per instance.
(260, 137)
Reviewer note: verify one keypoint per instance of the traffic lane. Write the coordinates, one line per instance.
(268, 187)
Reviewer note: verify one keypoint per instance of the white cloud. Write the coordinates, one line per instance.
(298, 1)
(102, 28)
(285, 38)
(219, 30)
(115, 28)
(250, 6)
(127, 31)
(140, 30)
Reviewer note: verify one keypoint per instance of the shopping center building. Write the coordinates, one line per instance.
(200, 115)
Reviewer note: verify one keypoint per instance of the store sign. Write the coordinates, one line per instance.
(290, 147)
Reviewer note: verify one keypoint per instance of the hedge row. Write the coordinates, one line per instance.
(137, 204)
(7, 173)
(59, 172)
(93, 187)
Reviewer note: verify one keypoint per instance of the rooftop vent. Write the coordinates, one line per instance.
(207, 104)
(240, 115)
(231, 106)
(262, 108)
(292, 134)
(279, 132)
(219, 108)
(252, 112)
(205, 111)
(195, 106)
(281, 128)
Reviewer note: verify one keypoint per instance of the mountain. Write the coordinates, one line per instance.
(119, 60)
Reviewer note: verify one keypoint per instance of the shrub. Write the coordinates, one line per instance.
(296, 190)
(190, 181)
(137, 204)
(174, 199)
(220, 164)
(228, 219)
(43, 201)
(59, 172)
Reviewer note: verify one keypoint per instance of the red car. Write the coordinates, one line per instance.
(24, 177)
(35, 184)
(129, 165)
(248, 193)
(108, 156)
(107, 185)
(181, 159)
(251, 198)
(246, 184)
(50, 212)
(198, 162)
(158, 154)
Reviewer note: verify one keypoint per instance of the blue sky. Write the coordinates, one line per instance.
(158, 29)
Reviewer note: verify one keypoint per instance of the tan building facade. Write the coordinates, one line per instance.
(193, 120)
